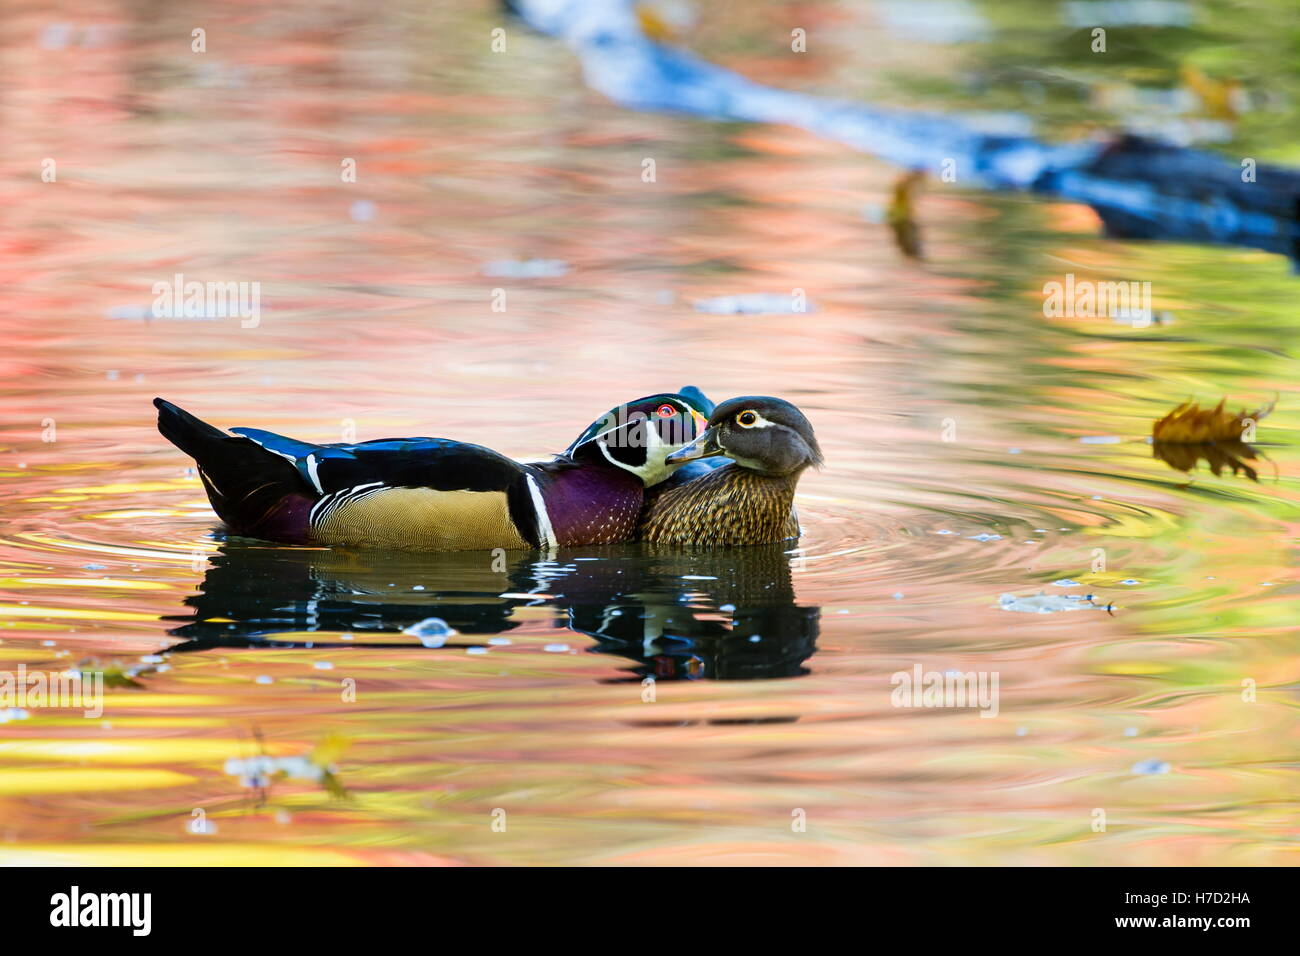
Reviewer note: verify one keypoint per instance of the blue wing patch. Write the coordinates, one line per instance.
(290, 448)
(694, 469)
(702, 403)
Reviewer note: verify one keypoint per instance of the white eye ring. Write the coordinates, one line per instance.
(754, 418)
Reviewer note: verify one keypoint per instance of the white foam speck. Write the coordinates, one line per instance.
(432, 631)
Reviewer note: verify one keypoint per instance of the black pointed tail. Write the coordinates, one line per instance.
(254, 491)
(191, 435)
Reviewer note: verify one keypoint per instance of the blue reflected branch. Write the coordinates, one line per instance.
(1141, 188)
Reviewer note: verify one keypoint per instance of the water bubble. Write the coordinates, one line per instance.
(1144, 768)
(55, 36)
(432, 631)
(1047, 603)
(526, 269)
(758, 303)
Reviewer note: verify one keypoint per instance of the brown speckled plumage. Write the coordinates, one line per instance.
(729, 506)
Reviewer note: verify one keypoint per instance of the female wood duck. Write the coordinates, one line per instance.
(436, 494)
(749, 500)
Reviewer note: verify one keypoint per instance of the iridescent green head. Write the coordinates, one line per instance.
(639, 436)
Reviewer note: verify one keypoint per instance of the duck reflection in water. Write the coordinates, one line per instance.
(679, 615)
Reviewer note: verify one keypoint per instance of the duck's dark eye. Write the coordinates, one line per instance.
(666, 411)
(747, 419)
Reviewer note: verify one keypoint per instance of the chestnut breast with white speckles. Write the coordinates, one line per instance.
(593, 505)
(728, 506)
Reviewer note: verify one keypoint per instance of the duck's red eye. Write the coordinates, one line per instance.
(667, 411)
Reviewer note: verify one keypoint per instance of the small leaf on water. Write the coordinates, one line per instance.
(329, 750)
(1189, 423)
(1184, 456)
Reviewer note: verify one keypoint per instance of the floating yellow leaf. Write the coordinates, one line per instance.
(1190, 423)
(901, 213)
(1219, 97)
(330, 749)
(324, 755)
(664, 22)
(652, 24)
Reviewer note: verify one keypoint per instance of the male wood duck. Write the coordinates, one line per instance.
(749, 500)
(436, 494)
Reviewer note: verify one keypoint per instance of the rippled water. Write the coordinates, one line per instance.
(975, 449)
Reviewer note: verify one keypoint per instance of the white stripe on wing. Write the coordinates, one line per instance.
(545, 533)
